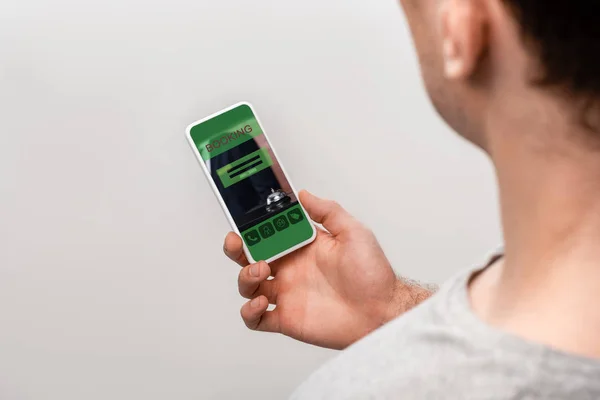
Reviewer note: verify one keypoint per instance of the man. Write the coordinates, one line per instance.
(521, 80)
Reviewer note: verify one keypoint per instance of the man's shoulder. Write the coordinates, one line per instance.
(408, 348)
(441, 349)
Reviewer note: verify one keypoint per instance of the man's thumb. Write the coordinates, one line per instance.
(327, 212)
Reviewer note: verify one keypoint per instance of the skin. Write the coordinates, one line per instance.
(331, 293)
(478, 72)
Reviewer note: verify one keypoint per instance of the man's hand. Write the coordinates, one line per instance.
(331, 293)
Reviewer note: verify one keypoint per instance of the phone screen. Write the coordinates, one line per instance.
(251, 182)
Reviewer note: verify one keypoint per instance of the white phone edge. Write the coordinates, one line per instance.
(220, 198)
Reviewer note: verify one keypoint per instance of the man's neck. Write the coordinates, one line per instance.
(546, 287)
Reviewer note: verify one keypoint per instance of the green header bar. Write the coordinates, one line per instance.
(225, 131)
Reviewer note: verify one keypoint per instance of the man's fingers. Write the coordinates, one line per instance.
(328, 213)
(256, 317)
(234, 249)
(252, 281)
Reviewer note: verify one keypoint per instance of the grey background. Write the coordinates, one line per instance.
(112, 280)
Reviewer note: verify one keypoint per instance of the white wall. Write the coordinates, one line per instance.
(112, 280)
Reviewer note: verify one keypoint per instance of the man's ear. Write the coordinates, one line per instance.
(463, 30)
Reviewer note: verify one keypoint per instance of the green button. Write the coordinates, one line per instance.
(266, 230)
(252, 238)
(281, 223)
(245, 167)
(295, 215)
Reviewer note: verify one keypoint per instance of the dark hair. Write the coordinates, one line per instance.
(566, 35)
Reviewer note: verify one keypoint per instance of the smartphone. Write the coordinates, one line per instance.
(250, 183)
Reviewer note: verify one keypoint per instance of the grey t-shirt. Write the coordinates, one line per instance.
(442, 350)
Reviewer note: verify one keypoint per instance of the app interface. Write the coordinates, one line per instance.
(250, 179)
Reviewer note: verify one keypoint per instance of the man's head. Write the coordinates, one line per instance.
(485, 57)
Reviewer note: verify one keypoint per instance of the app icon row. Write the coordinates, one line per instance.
(269, 229)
